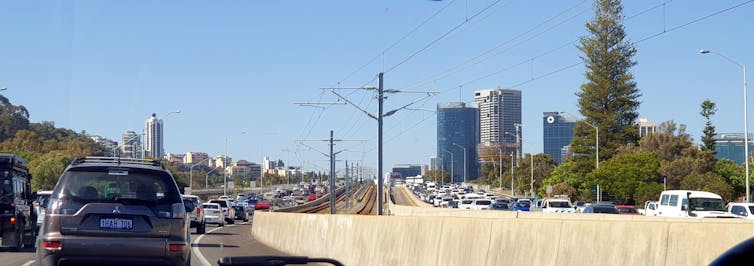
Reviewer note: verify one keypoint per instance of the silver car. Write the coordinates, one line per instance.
(109, 211)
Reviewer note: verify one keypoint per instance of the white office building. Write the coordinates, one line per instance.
(153, 134)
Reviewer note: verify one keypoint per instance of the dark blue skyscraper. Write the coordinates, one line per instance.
(458, 129)
(731, 146)
(558, 132)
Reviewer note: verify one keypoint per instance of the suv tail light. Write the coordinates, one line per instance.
(198, 211)
(176, 247)
(51, 245)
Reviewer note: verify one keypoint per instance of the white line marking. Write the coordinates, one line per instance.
(198, 253)
(28, 263)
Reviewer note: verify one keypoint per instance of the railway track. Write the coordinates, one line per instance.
(370, 199)
(325, 206)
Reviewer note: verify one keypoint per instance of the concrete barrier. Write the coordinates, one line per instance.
(506, 239)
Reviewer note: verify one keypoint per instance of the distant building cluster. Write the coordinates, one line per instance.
(492, 125)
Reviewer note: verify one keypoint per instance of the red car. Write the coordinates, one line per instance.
(262, 205)
(627, 210)
(311, 197)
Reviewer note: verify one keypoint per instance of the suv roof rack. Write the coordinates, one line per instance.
(118, 161)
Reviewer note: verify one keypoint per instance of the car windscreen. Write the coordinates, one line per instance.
(222, 203)
(210, 206)
(42, 200)
(123, 186)
(560, 204)
(522, 204)
(600, 209)
(483, 202)
(707, 204)
(6, 187)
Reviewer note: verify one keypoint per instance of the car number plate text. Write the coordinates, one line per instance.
(116, 223)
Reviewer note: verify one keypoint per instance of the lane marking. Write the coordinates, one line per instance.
(196, 250)
(28, 263)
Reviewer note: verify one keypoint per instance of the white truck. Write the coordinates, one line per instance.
(691, 204)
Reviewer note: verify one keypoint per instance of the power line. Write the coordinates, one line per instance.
(382, 54)
(441, 37)
(468, 62)
(643, 39)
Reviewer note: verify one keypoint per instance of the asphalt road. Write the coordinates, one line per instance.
(217, 242)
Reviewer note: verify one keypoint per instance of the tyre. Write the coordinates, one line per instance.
(221, 224)
(246, 218)
(201, 228)
(232, 221)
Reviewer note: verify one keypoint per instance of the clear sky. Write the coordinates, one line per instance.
(239, 66)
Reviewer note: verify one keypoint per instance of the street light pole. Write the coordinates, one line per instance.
(746, 119)
(191, 172)
(465, 166)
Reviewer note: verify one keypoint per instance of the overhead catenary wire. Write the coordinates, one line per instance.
(474, 60)
(433, 42)
(391, 46)
(663, 32)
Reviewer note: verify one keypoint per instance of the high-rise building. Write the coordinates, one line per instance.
(557, 130)
(499, 112)
(131, 145)
(458, 134)
(406, 170)
(645, 127)
(153, 138)
(731, 146)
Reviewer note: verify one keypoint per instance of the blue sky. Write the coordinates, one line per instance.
(239, 66)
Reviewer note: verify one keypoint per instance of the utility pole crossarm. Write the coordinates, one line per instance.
(354, 105)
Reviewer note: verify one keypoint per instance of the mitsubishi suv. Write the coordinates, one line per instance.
(115, 211)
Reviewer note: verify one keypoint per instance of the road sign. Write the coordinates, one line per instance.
(549, 189)
(231, 185)
(187, 191)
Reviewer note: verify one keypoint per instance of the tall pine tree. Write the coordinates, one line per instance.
(609, 98)
(708, 140)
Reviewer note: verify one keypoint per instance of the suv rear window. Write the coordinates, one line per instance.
(100, 185)
(222, 203)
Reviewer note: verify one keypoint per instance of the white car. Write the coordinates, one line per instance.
(213, 214)
(745, 210)
(227, 207)
(481, 204)
(40, 205)
(465, 204)
(557, 206)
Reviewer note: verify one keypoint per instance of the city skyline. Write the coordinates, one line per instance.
(252, 65)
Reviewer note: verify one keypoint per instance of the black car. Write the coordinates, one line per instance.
(601, 208)
(243, 212)
(18, 220)
(499, 206)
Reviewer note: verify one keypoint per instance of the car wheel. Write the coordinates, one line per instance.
(201, 229)
(232, 221)
(246, 218)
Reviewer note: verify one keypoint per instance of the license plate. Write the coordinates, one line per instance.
(116, 223)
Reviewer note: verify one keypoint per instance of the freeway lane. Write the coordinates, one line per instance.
(231, 240)
(21, 257)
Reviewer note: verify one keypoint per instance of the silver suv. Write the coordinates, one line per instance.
(196, 216)
(108, 211)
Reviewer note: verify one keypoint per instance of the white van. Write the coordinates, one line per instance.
(557, 206)
(431, 186)
(675, 203)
